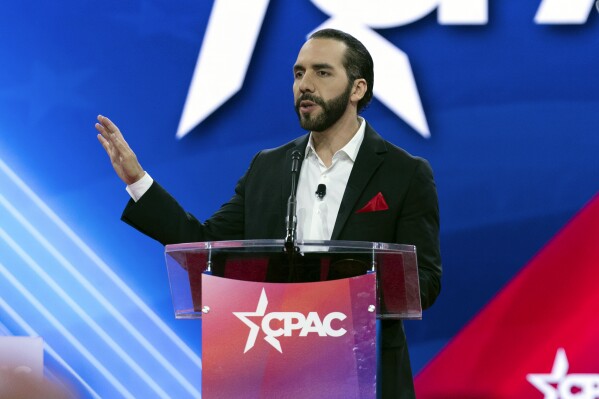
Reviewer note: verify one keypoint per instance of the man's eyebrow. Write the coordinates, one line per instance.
(314, 66)
(322, 66)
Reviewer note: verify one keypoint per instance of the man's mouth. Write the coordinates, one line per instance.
(307, 106)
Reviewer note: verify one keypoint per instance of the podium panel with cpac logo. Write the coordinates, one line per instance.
(301, 324)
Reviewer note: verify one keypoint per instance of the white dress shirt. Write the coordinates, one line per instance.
(315, 217)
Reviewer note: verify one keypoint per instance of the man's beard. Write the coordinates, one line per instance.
(332, 111)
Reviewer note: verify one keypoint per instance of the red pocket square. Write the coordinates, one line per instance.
(377, 203)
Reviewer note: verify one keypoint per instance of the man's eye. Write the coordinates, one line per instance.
(298, 74)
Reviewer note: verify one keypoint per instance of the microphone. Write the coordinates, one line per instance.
(321, 191)
(291, 219)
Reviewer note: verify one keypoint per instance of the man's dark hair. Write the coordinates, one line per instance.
(357, 61)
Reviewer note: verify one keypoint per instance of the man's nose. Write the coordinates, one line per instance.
(306, 84)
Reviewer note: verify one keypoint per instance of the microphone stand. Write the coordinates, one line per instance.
(291, 219)
(290, 247)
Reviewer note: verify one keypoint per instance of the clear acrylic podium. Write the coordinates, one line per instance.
(276, 324)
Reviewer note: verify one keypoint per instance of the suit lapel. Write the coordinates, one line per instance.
(370, 156)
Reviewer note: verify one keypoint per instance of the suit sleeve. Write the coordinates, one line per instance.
(419, 224)
(158, 215)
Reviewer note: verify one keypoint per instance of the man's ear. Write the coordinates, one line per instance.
(359, 90)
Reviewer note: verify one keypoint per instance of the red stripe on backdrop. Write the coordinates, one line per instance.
(552, 303)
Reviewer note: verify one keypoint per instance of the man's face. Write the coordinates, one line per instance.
(321, 90)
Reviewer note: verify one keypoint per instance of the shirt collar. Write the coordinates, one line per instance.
(350, 149)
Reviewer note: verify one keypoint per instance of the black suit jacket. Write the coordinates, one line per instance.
(257, 210)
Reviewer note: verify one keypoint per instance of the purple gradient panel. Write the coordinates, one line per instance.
(310, 365)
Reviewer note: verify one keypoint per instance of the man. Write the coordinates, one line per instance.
(333, 80)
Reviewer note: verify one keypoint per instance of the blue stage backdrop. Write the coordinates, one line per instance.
(502, 97)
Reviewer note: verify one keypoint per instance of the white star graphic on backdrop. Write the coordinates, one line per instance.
(547, 383)
(561, 385)
(219, 47)
(254, 328)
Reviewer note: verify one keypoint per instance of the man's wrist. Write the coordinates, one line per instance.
(138, 189)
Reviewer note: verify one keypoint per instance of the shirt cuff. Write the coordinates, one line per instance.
(139, 188)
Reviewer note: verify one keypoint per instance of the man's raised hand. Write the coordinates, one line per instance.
(123, 159)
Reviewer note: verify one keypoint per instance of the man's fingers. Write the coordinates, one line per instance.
(113, 142)
(107, 140)
(109, 126)
(106, 144)
(111, 134)
(102, 130)
(107, 123)
(108, 148)
(101, 133)
(103, 141)
(120, 145)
